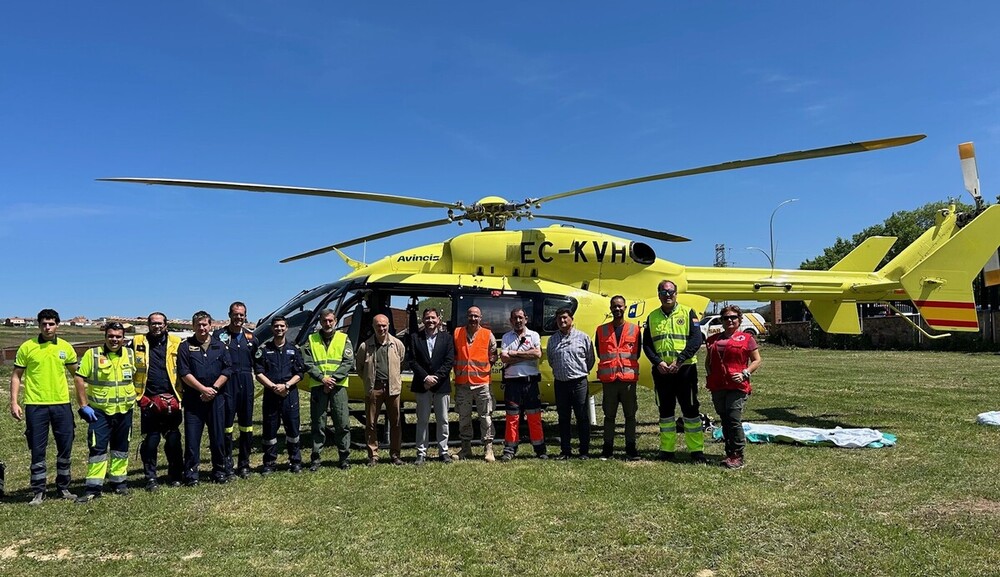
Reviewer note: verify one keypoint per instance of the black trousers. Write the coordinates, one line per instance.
(571, 398)
(238, 395)
(199, 415)
(39, 418)
(277, 411)
(677, 389)
(154, 427)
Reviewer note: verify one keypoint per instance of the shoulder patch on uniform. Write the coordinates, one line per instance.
(258, 354)
(62, 355)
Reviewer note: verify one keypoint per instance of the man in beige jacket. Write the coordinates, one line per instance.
(379, 361)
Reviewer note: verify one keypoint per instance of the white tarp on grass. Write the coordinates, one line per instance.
(989, 418)
(838, 437)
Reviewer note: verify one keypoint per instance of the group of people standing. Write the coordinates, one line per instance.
(207, 382)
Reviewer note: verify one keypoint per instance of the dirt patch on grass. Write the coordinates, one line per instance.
(976, 507)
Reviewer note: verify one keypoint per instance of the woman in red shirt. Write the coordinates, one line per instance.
(732, 357)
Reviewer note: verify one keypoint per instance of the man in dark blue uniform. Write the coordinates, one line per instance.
(278, 366)
(238, 393)
(203, 365)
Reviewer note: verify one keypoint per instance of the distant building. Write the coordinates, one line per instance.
(15, 322)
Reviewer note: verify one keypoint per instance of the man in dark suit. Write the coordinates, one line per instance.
(432, 354)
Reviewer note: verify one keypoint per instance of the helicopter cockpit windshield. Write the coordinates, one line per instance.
(302, 312)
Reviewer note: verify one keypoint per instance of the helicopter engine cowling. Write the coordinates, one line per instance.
(563, 254)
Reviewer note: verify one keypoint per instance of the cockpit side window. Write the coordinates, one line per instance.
(549, 308)
(496, 311)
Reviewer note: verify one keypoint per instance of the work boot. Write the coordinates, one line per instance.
(445, 458)
(38, 498)
(607, 452)
(87, 497)
(315, 465)
(488, 453)
(66, 494)
(667, 456)
(343, 464)
(698, 458)
(295, 468)
(466, 452)
(152, 486)
(506, 457)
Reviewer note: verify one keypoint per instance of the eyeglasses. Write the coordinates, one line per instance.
(666, 292)
(731, 318)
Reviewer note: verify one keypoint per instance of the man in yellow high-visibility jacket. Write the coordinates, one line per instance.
(159, 400)
(670, 341)
(328, 356)
(106, 394)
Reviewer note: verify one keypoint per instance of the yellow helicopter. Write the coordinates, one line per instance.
(544, 269)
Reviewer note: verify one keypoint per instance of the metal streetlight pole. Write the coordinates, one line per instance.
(771, 226)
(770, 256)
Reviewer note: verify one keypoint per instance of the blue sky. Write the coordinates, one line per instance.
(456, 101)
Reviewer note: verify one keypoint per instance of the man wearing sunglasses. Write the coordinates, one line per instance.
(670, 341)
(106, 394)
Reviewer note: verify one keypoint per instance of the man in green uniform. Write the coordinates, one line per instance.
(328, 356)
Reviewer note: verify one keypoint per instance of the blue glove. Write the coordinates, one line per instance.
(87, 414)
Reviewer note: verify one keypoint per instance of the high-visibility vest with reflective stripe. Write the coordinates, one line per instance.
(328, 359)
(140, 344)
(670, 333)
(109, 385)
(618, 361)
(472, 361)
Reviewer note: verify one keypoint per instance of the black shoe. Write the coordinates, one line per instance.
(191, 483)
(634, 457)
(607, 452)
(584, 457)
(65, 494)
(120, 489)
(543, 456)
(174, 483)
(87, 497)
(343, 464)
(445, 458)
(244, 473)
(267, 470)
(667, 456)
(314, 466)
(563, 457)
(222, 480)
(698, 458)
(37, 499)
(397, 461)
(421, 460)
(152, 486)
(296, 468)
(372, 462)
(506, 457)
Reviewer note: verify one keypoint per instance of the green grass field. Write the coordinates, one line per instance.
(929, 506)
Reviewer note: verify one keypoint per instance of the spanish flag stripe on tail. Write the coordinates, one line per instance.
(948, 314)
(946, 304)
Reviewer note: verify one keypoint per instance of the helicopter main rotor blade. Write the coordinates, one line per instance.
(665, 236)
(361, 239)
(327, 192)
(851, 148)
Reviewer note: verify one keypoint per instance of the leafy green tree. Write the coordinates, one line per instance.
(906, 225)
